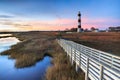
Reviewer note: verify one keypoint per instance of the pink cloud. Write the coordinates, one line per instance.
(100, 23)
(62, 24)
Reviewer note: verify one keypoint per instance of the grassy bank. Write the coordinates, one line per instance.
(33, 47)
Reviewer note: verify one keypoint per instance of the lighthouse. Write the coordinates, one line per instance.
(79, 22)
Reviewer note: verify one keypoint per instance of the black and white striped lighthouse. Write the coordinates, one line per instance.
(79, 22)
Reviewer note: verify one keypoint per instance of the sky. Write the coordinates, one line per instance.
(44, 15)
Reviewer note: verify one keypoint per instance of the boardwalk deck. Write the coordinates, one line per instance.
(96, 64)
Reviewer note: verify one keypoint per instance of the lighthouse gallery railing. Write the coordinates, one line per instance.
(97, 65)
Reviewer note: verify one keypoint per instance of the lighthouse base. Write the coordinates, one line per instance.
(79, 30)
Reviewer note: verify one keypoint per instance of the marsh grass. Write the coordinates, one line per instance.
(33, 47)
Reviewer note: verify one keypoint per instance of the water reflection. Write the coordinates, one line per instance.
(5, 43)
(8, 70)
(1, 35)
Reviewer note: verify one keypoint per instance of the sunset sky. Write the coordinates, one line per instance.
(27, 15)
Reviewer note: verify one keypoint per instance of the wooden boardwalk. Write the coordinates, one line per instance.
(96, 64)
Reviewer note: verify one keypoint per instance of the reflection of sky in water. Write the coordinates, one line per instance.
(5, 43)
(4, 48)
(5, 35)
(8, 70)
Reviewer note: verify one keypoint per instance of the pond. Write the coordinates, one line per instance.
(7, 66)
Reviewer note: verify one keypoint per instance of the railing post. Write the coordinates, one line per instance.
(71, 56)
(90, 52)
(75, 55)
(101, 72)
(76, 52)
(70, 53)
(99, 57)
(80, 59)
(112, 61)
(67, 50)
(72, 61)
(87, 69)
(77, 68)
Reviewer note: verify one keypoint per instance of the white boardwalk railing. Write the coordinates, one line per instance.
(97, 65)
